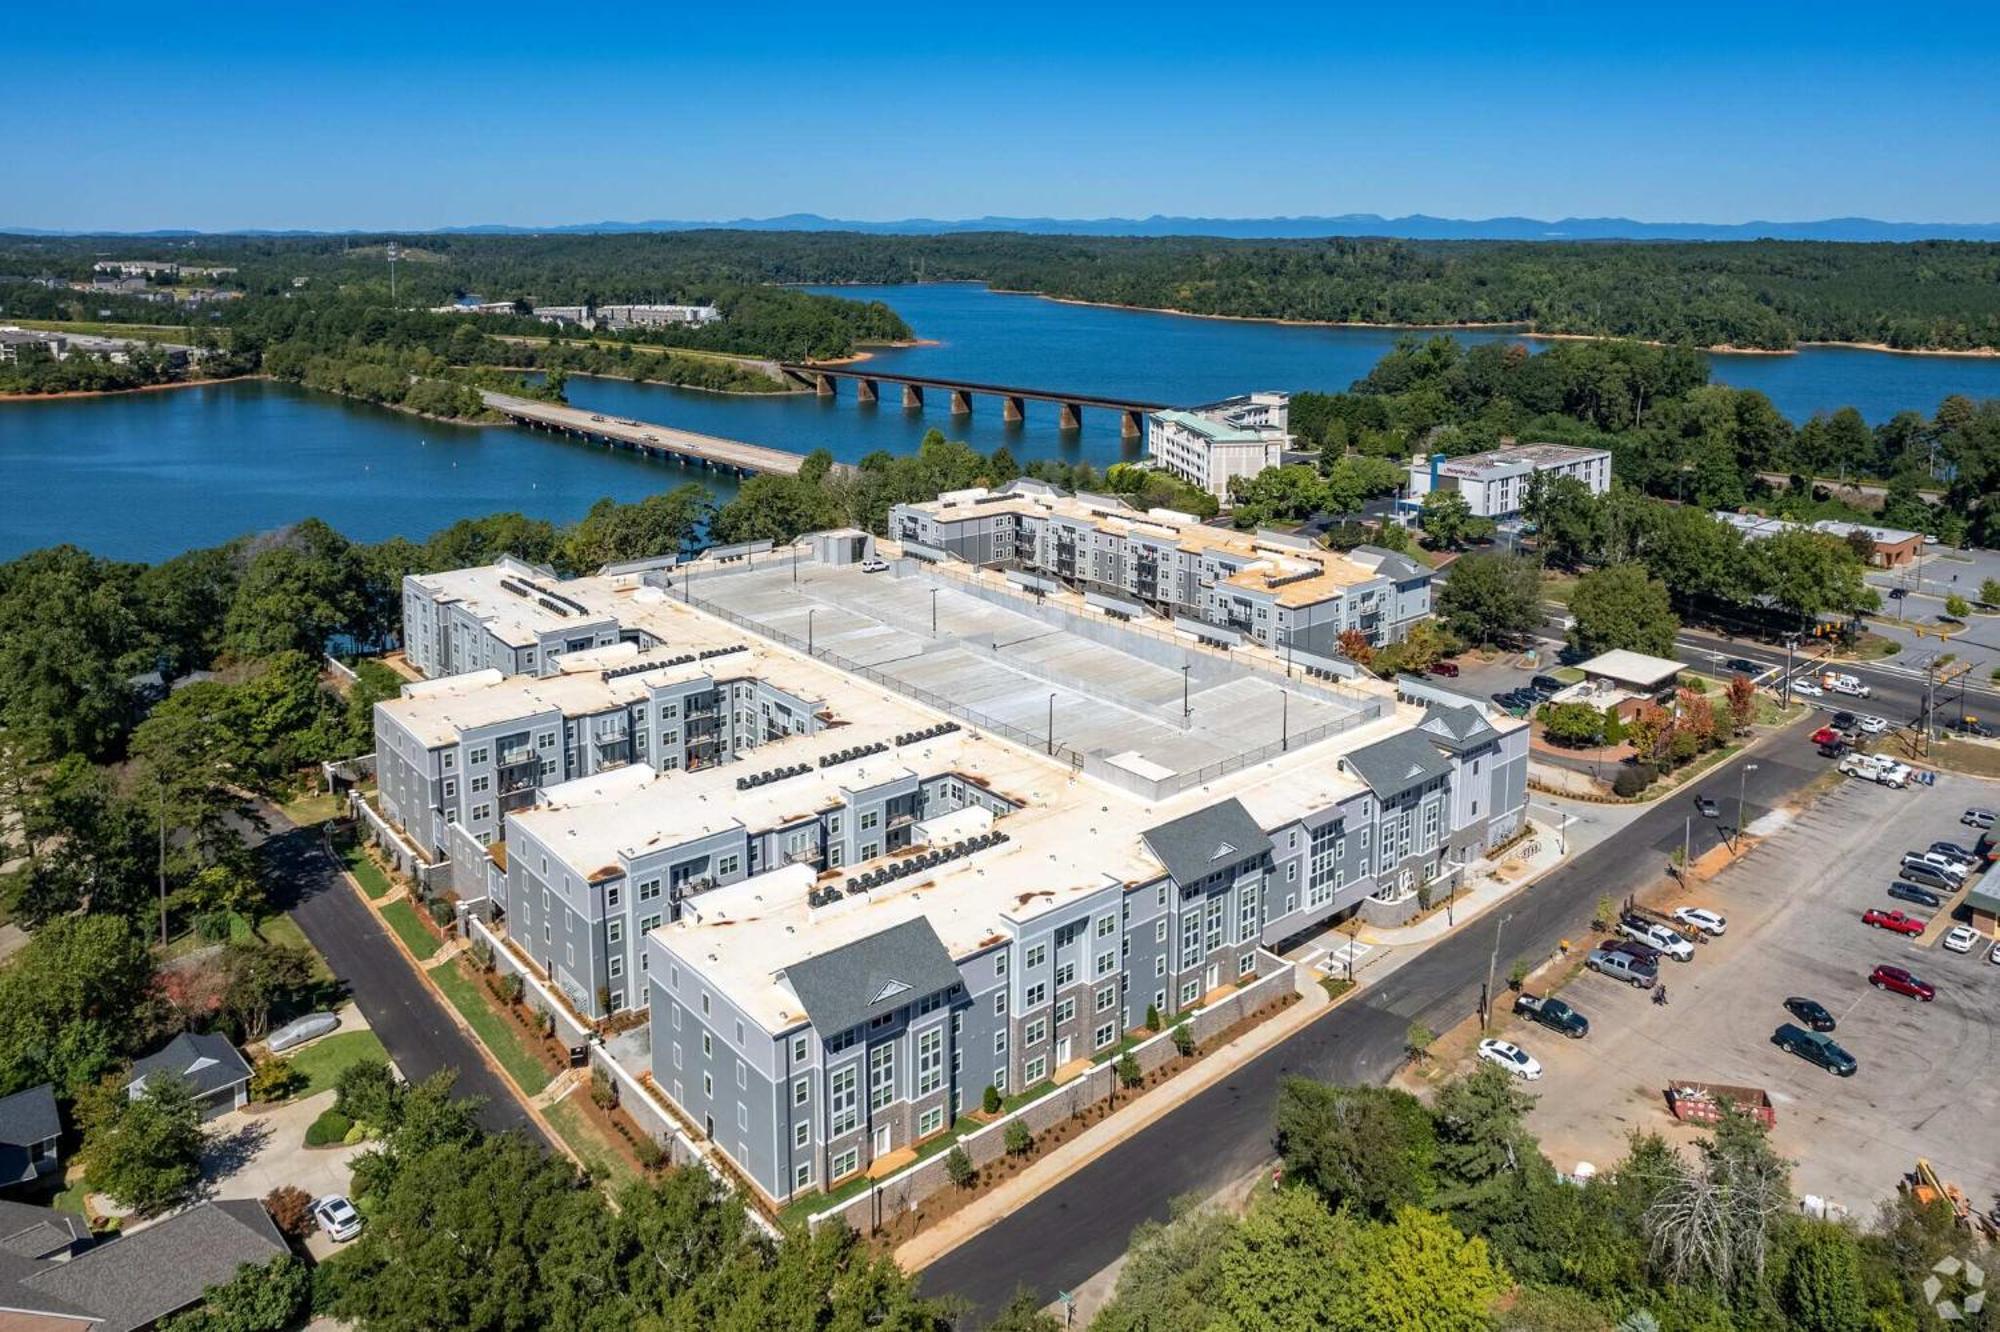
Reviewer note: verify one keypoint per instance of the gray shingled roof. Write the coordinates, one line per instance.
(1393, 564)
(872, 976)
(1394, 765)
(1197, 845)
(1456, 729)
(142, 1277)
(27, 1231)
(208, 1063)
(26, 1118)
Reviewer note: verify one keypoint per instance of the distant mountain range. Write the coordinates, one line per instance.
(1416, 226)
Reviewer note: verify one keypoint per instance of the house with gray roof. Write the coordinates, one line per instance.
(29, 1128)
(213, 1068)
(133, 1281)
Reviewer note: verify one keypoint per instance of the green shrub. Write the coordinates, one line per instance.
(651, 1155)
(1632, 778)
(1183, 1039)
(990, 1102)
(1129, 1072)
(442, 913)
(331, 1127)
(959, 1169)
(603, 1091)
(274, 1080)
(1517, 975)
(482, 954)
(1153, 1010)
(355, 1134)
(1019, 1138)
(511, 987)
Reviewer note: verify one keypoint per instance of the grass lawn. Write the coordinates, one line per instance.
(311, 808)
(1873, 647)
(282, 929)
(325, 1059)
(365, 871)
(402, 918)
(496, 1031)
(71, 1199)
(589, 1142)
(164, 332)
(1559, 587)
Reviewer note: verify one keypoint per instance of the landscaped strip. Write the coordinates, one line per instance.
(365, 871)
(324, 1060)
(597, 1152)
(410, 928)
(502, 1039)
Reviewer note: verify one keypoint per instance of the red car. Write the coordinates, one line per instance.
(1894, 921)
(1445, 668)
(1825, 735)
(1902, 982)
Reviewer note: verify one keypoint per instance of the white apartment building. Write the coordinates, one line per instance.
(1208, 445)
(1495, 483)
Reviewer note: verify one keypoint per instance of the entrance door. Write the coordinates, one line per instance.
(1214, 976)
(1062, 1050)
(884, 1139)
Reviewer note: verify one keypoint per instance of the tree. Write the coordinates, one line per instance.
(1822, 1288)
(1989, 593)
(1417, 1040)
(1742, 701)
(1808, 574)
(1483, 1144)
(264, 978)
(1572, 723)
(1354, 646)
(1024, 1313)
(1957, 607)
(1418, 1271)
(1288, 493)
(1648, 729)
(1285, 1267)
(659, 525)
(1623, 607)
(1712, 1219)
(1171, 1271)
(145, 1150)
(71, 637)
(776, 508)
(366, 1091)
(1568, 525)
(72, 1001)
(266, 1297)
(290, 1208)
(1019, 1138)
(1129, 1073)
(958, 1168)
(297, 593)
(1372, 1146)
(1447, 519)
(1487, 596)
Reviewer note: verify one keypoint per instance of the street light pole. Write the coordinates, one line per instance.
(1492, 964)
(934, 593)
(809, 629)
(1285, 722)
(1785, 694)
(1742, 776)
(1052, 725)
(1186, 711)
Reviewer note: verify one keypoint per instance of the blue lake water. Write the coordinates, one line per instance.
(144, 476)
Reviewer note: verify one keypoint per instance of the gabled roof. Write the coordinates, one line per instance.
(1392, 766)
(208, 1063)
(1456, 729)
(27, 1231)
(140, 1278)
(1197, 845)
(26, 1118)
(862, 980)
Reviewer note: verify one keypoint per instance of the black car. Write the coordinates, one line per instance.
(1898, 593)
(1842, 721)
(1833, 749)
(1743, 665)
(1815, 1048)
(1548, 684)
(1811, 1012)
(1706, 807)
(1909, 892)
(1969, 726)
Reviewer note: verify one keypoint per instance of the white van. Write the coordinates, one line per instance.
(1838, 683)
(1876, 768)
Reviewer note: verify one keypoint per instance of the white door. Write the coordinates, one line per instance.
(884, 1139)
(1062, 1050)
(1214, 975)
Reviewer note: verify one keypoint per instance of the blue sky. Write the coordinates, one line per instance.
(133, 117)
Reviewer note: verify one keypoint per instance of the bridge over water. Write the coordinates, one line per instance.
(824, 380)
(664, 442)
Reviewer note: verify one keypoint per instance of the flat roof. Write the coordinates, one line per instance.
(1517, 457)
(516, 618)
(1218, 431)
(1633, 668)
(1755, 526)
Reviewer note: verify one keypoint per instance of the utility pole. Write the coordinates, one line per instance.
(1492, 964)
(1052, 726)
(1785, 694)
(1186, 711)
(809, 629)
(934, 593)
(160, 784)
(1742, 776)
(1930, 703)
(1285, 722)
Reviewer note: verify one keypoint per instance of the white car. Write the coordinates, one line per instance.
(1959, 939)
(874, 566)
(1872, 725)
(1994, 956)
(1807, 689)
(337, 1217)
(1708, 922)
(1510, 1057)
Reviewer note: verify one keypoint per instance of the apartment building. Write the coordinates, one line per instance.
(509, 616)
(469, 749)
(1495, 483)
(1209, 446)
(1271, 588)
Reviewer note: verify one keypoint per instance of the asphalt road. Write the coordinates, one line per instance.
(1220, 1135)
(408, 1016)
(1898, 688)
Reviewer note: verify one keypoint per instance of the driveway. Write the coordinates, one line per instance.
(261, 1148)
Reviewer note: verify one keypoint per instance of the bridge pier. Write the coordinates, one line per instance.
(1012, 409)
(867, 390)
(1130, 425)
(1069, 416)
(823, 385)
(961, 403)
(913, 396)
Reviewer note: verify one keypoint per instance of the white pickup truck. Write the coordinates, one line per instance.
(1658, 936)
(1836, 683)
(1877, 768)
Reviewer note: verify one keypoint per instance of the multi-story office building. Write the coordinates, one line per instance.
(1209, 446)
(1495, 483)
(509, 616)
(1271, 588)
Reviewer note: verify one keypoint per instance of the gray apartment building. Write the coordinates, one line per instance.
(510, 616)
(1272, 588)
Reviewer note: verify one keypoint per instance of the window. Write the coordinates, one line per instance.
(1431, 826)
(871, 818)
(881, 1076)
(930, 1061)
(647, 924)
(843, 1103)
(481, 813)
(801, 1090)
(1246, 964)
(704, 1003)
(726, 866)
(480, 785)
(999, 1003)
(1107, 995)
(742, 1075)
(617, 1000)
(1190, 939)
(1107, 926)
(999, 1042)
(1035, 1070)
(799, 1049)
(707, 1044)
(477, 756)
(1160, 930)
(1038, 994)
(1065, 1011)
(1104, 1035)
(450, 761)
(1000, 1079)
(1160, 965)
(1000, 963)
(1037, 954)
(612, 896)
(450, 787)
(1160, 1000)
(1065, 973)
(1035, 1032)
(802, 1175)
(870, 850)
(617, 967)
(614, 931)
(1160, 897)
(846, 1163)
(649, 889)
(677, 1050)
(1106, 964)
(930, 1121)
(1190, 992)
(708, 1085)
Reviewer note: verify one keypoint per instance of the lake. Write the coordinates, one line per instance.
(143, 476)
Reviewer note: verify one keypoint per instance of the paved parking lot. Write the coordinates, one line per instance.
(1927, 1082)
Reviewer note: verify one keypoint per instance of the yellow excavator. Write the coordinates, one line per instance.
(1925, 1185)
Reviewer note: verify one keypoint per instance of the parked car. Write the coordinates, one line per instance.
(1872, 725)
(1623, 967)
(1554, 1014)
(1810, 1011)
(1645, 952)
(1743, 665)
(300, 1031)
(1935, 860)
(1930, 878)
(1898, 593)
(1896, 922)
(337, 1217)
(1834, 748)
(597, 418)
(1448, 669)
(1994, 956)
(1964, 855)
(1815, 1047)
(874, 566)
(1701, 918)
(1548, 684)
(1510, 1057)
(1655, 935)
(1960, 939)
(1807, 689)
(1842, 721)
(1969, 726)
(1978, 818)
(1897, 980)
(1826, 735)
(1706, 807)
(1910, 892)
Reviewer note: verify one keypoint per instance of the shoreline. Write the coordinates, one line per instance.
(120, 392)
(857, 357)
(1524, 328)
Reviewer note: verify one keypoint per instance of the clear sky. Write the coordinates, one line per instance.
(334, 116)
